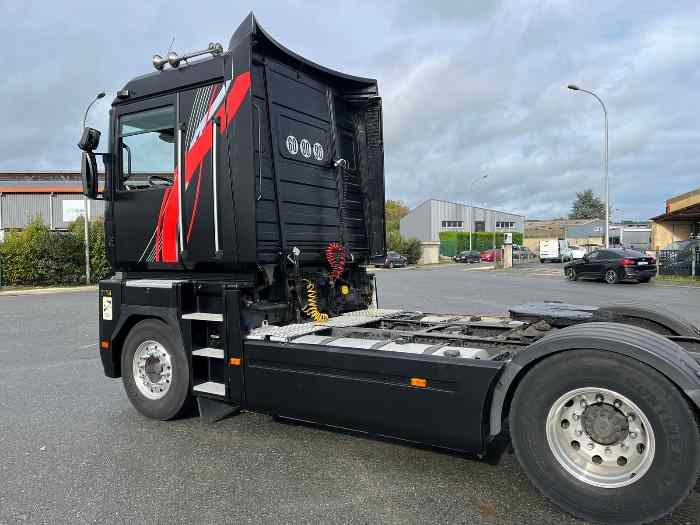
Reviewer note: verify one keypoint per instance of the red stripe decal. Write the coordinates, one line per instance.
(167, 223)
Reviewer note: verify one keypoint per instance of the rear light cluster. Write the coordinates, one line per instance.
(628, 262)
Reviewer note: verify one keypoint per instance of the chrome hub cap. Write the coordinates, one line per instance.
(152, 369)
(600, 437)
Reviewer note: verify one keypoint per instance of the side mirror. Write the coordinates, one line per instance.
(89, 140)
(88, 174)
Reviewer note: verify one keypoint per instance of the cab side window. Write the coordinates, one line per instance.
(147, 143)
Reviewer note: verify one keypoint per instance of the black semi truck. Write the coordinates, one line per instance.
(244, 198)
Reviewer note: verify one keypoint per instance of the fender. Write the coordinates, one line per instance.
(111, 359)
(662, 354)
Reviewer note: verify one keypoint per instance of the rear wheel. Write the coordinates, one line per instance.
(611, 276)
(391, 265)
(156, 371)
(605, 437)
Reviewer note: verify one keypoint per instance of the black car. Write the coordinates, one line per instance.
(612, 266)
(468, 256)
(392, 260)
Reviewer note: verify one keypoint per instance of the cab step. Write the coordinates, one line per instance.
(204, 316)
(213, 353)
(211, 387)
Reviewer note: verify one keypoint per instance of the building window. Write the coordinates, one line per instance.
(452, 224)
(505, 225)
(479, 226)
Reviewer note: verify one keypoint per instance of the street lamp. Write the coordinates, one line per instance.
(471, 208)
(574, 87)
(86, 202)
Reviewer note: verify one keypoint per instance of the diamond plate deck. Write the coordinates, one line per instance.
(287, 333)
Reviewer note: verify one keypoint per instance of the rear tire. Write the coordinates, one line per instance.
(666, 474)
(611, 276)
(164, 391)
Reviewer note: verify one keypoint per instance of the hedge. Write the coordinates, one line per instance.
(412, 249)
(40, 256)
(451, 243)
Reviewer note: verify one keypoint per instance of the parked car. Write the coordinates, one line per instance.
(573, 252)
(522, 252)
(612, 266)
(490, 255)
(392, 260)
(468, 256)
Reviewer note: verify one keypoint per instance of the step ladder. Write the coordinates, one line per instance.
(208, 363)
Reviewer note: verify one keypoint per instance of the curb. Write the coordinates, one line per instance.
(49, 290)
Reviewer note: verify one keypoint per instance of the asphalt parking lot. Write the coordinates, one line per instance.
(73, 450)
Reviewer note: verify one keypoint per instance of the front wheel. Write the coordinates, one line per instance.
(611, 276)
(605, 437)
(570, 274)
(156, 371)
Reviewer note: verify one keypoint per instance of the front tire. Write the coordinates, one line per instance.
(611, 276)
(629, 456)
(156, 371)
(570, 274)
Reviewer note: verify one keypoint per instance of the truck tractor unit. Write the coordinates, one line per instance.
(244, 203)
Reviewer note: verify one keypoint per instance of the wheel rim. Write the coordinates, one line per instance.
(570, 274)
(152, 369)
(600, 437)
(611, 276)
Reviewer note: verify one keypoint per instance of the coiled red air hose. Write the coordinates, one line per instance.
(335, 255)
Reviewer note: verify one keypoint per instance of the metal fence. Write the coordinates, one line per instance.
(679, 262)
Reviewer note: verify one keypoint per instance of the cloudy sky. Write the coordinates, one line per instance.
(469, 88)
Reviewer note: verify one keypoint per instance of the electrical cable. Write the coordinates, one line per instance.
(336, 255)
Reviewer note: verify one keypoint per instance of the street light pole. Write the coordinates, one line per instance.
(86, 202)
(605, 161)
(471, 207)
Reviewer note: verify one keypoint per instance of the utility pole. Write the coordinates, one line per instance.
(605, 160)
(471, 207)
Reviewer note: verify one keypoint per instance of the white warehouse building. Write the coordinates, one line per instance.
(428, 219)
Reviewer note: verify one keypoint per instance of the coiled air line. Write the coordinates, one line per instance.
(311, 308)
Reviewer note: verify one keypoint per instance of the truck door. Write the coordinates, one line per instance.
(155, 139)
(145, 152)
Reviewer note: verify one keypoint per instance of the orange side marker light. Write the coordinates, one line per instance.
(234, 361)
(104, 344)
(419, 382)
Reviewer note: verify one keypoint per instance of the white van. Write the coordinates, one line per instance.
(551, 250)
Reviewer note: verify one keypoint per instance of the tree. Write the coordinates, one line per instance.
(587, 206)
(393, 212)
